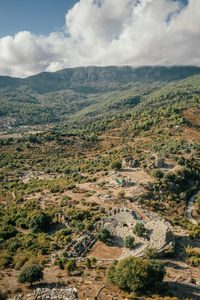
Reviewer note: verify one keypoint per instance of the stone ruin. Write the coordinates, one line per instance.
(62, 294)
(50, 294)
(157, 163)
(129, 162)
(81, 246)
(160, 163)
(121, 222)
(124, 181)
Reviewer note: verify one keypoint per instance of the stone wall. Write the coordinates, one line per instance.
(50, 294)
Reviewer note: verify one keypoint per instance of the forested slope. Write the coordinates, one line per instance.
(92, 93)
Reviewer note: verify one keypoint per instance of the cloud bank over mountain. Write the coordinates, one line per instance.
(109, 32)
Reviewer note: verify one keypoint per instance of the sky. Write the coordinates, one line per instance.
(49, 35)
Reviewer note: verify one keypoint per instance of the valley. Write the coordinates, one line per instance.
(86, 157)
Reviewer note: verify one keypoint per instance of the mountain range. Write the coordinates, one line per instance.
(86, 94)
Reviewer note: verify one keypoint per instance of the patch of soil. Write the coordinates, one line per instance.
(102, 251)
(192, 115)
(191, 133)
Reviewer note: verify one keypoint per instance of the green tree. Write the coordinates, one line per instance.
(116, 165)
(139, 229)
(134, 274)
(103, 235)
(39, 222)
(30, 273)
(156, 173)
(70, 266)
(129, 242)
(88, 262)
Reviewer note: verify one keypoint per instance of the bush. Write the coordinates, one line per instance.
(139, 229)
(88, 262)
(7, 231)
(169, 252)
(116, 165)
(39, 222)
(5, 259)
(93, 261)
(103, 235)
(135, 274)
(129, 242)
(30, 273)
(193, 256)
(151, 253)
(70, 266)
(156, 173)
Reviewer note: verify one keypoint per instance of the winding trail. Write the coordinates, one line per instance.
(190, 208)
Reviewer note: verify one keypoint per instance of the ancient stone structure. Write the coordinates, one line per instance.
(65, 294)
(123, 181)
(152, 165)
(128, 162)
(81, 246)
(160, 163)
(157, 163)
(120, 224)
(50, 294)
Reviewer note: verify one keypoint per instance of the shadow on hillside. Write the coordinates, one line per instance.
(181, 290)
(55, 227)
(116, 241)
(182, 242)
(174, 265)
(128, 170)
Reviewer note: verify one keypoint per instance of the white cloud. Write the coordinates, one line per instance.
(109, 32)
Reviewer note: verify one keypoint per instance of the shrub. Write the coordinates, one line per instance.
(39, 222)
(88, 262)
(116, 165)
(5, 259)
(59, 262)
(135, 274)
(70, 266)
(7, 231)
(30, 273)
(156, 173)
(193, 256)
(151, 253)
(129, 242)
(103, 235)
(93, 261)
(169, 252)
(139, 229)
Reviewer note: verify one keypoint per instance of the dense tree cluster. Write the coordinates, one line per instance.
(135, 274)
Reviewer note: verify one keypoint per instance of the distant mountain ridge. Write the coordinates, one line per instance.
(86, 94)
(97, 78)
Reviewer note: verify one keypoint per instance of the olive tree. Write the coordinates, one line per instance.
(30, 273)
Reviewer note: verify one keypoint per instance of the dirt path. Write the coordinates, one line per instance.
(190, 208)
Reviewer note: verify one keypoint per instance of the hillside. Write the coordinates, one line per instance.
(88, 168)
(88, 94)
